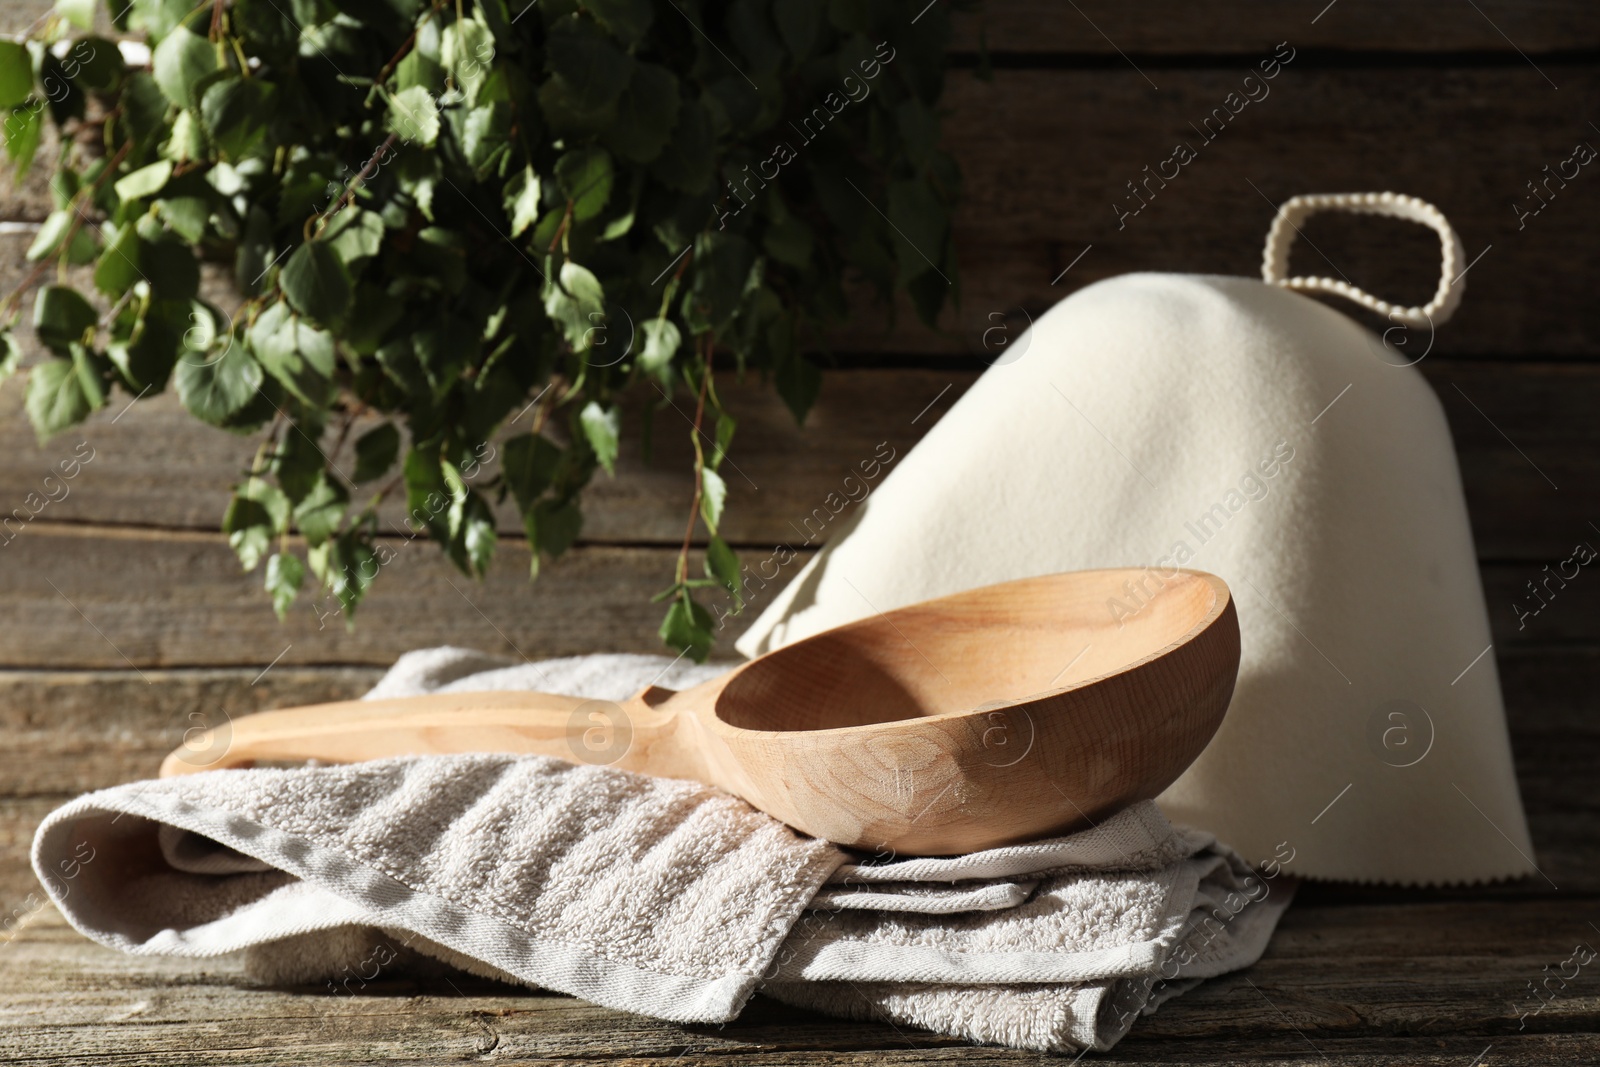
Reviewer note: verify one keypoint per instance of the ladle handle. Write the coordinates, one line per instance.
(570, 728)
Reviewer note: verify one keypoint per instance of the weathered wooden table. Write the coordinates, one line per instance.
(126, 621)
(1354, 975)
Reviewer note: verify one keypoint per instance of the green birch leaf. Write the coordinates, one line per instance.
(376, 451)
(603, 428)
(316, 282)
(144, 107)
(214, 390)
(585, 177)
(298, 463)
(372, 314)
(798, 382)
(556, 526)
(53, 233)
(788, 239)
(592, 68)
(249, 530)
(352, 566)
(272, 501)
(295, 353)
(285, 575)
(91, 368)
(23, 129)
(63, 95)
(100, 66)
(627, 20)
(319, 513)
(688, 628)
(484, 134)
(713, 497)
(419, 70)
(427, 496)
(16, 75)
(160, 337)
(180, 62)
(170, 266)
(562, 107)
(917, 219)
(646, 114)
(61, 315)
(414, 116)
(522, 200)
(56, 398)
(722, 564)
(188, 140)
(118, 269)
(236, 112)
(10, 355)
(529, 462)
(576, 303)
(186, 216)
(725, 428)
(477, 534)
(467, 50)
(355, 235)
(660, 344)
(723, 262)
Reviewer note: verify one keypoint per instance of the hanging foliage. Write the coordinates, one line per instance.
(476, 221)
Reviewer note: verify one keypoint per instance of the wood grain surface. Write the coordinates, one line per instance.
(1105, 27)
(1326, 992)
(1530, 459)
(98, 597)
(1044, 183)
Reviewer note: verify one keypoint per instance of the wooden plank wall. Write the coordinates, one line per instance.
(124, 620)
(125, 612)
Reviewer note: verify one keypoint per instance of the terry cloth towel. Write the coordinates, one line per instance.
(644, 894)
(1236, 426)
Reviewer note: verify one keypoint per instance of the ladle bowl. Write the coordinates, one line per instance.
(995, 716)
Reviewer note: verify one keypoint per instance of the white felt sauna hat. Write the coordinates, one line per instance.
(1239, 427)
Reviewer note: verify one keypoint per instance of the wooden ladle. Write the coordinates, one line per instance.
(995, 716)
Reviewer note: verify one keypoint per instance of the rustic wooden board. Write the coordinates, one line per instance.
(70, 732)
(1048, 153)
(19, 818)
(121, 707)
(193, 599)
(97, 597)
(178, 599)
(1348, 985)
(154, 464)
(1530, 458)
(1231, 28)
(1549, 691)
(1104, 27)
(111, 598)
(73, 731)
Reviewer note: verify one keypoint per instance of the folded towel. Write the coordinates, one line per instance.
(654, 896)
